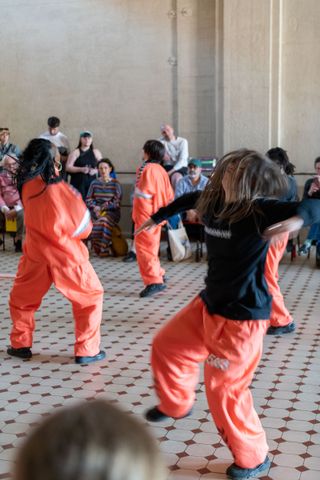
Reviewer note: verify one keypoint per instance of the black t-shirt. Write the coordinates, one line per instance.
(235, 284)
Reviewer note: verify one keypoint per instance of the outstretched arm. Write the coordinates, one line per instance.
(181, 204)
(291, 225)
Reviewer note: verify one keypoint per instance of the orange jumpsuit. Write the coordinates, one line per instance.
(153, 191)
(279, 316)
(231, 351)
(56, 220)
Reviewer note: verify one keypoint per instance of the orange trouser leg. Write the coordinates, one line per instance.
(193, 336)
(147, 248)
(82, 287)
(279, 314)
(177, 350)
(235, 351)
(32, 282)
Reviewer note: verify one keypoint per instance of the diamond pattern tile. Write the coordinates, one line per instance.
(285, 389)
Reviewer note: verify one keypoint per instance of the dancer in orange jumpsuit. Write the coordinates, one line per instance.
(280, 319)
(225, 325)
(153, 190)
(56, 220)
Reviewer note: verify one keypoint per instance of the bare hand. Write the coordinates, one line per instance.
(314, 187)
(148, 225)
(96, 210)
(290, 225)
(85, 170)
(192, 216)
(11, 214)
(93, 171)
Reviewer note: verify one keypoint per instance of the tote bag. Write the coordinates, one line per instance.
(179, 243)
(11, 225)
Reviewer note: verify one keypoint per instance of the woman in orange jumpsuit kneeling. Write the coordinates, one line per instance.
(225, 325)
(56, 219)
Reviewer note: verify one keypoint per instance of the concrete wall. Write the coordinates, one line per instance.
(110, 66)
(271, 65)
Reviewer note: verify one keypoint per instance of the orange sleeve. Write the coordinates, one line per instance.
(68, 214)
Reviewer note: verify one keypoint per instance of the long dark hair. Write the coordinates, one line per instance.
(253, 176)
(108, 162)
(82, 136)
(37, 160)
(280, 156)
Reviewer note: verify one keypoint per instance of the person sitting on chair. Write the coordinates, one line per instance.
(103, 200)
(192, 182)
(10, 203)
(176, 156)
(6, 147)
(312, 190)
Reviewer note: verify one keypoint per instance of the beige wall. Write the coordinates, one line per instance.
(271, 64)
(226, 73)
(109, 66)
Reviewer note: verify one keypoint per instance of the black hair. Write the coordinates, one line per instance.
(82, 136)
(155, 150)
(280, 156)
(53, 122)
(37, 159)
(317, 160)
(108, 162)
(252, 176)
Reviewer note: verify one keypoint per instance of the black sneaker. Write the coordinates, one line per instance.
(155, 415)
(84, 360)
(281, 330)
(24, 352)
(236, 472)
(131, 257)
(152, 289)
(18, 246)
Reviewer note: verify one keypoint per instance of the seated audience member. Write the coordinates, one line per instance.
(59, 139)
(152, 191)
(176, 156)
(312, 190)
(82, 163)
(10, 203)
(89, 441)
(280, 157)
(6, 147)
(191, 183)
(103, 200)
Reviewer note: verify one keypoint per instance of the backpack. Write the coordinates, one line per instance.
(119, 243)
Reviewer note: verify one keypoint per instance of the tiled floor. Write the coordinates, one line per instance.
(286, 387)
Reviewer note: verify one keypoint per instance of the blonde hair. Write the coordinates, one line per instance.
(253, 176)
(90, 441)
